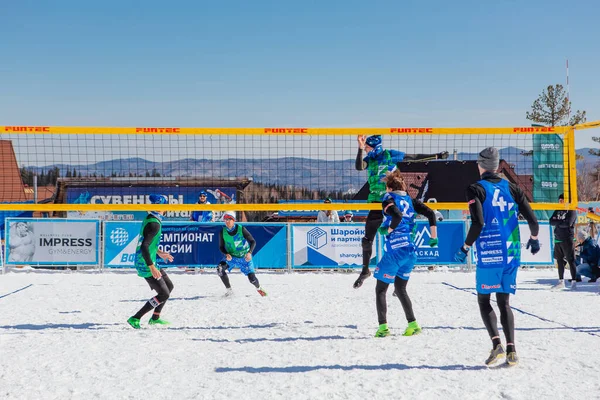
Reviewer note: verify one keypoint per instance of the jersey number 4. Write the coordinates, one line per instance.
(498, 201)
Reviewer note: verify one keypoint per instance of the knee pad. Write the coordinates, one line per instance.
(367, 245)
(154, 302)
(222, 268)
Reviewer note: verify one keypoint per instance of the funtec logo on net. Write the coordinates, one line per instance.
(26, 129)
(411, 130)
(157, 130)
(286, 130)
(534, 129)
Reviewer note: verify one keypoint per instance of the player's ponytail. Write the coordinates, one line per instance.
(395, 181)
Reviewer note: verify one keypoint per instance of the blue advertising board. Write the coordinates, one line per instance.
(321, 246)
(193, 244)
(176, 194)
(451, 235)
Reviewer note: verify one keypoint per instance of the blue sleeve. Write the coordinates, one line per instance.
(397, 156)
(194, 215)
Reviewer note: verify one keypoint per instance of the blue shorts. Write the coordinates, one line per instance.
(394, 264)
(496, 280)
(247, 267)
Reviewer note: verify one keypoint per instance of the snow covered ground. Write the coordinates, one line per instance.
(64, 336)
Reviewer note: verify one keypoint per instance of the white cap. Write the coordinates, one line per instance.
(229, 214)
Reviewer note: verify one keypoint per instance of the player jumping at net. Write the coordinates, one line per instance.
(398, 261)
(377, 162)
(237, 245)
(145, 262)
(495, 204)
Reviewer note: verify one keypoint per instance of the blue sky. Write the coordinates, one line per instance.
(293, 63)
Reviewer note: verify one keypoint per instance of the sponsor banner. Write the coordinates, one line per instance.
(451, 236)
(193, 244)
(543, 257)
(548, 168)
(52, 241)
(139, 195)
(328, 245)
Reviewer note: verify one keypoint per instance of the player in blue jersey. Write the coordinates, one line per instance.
(495, 205)
(398, 261)
(378, 162)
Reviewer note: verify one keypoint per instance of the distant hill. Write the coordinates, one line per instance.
(300, 172)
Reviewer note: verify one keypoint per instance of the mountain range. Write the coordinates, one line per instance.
(303, 172)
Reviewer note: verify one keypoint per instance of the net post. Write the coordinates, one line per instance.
(572, 157)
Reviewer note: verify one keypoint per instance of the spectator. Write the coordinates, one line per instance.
(348, 216)
(330, 216)
(589, 257)
(202, 216)
(563, 222)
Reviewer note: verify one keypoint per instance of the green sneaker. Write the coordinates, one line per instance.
(413, 328)
(158, 322)
(383, 331)
(134, 322)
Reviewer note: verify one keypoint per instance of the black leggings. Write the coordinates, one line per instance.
(490, 321)
(565, 253)
(163, 288)
(374, 220)
(381, 301)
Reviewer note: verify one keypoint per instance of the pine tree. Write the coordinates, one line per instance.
(552, 108)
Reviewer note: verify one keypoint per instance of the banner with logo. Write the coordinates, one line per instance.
(193, 244)
(451, 235)
(548, 168)
(546, 254)
(139, 195)
(52, 241)
(328, 245)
